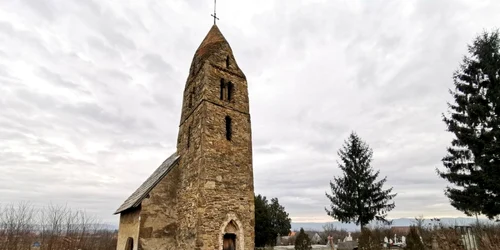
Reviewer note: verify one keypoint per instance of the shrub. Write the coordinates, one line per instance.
(413, 241)
(302, 242)
(368, 241)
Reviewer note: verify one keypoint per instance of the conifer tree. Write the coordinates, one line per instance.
(302, 241)
(279, 218)
(357, 196)
(472, 163)
(271, 220)
(263, 226)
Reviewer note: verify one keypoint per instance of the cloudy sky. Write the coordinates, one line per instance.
(91, 93)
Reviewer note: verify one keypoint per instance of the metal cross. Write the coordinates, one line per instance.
(215, 13)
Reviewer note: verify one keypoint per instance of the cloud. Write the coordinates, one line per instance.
(92, 92)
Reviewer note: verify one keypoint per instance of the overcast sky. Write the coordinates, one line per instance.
(91, 93)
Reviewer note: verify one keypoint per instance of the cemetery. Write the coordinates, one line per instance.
(437, 238)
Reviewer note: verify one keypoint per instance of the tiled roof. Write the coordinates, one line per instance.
(136, 198)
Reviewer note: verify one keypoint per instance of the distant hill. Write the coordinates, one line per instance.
(314, 226)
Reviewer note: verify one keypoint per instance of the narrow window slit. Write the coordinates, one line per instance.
(228, 128)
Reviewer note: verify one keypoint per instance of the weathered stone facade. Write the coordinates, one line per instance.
(202, 197)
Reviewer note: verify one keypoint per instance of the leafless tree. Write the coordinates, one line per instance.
(53, 227)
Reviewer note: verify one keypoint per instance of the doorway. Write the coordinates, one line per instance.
(229, 242)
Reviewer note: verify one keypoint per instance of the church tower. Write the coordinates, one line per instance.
(215, 145)
(202, 196)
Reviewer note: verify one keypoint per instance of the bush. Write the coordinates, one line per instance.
(302, 242)
(413, 241)
(368, 241)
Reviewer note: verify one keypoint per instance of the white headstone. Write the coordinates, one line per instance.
(390, 241)
(386, 240)
(316, 238)
(403, 239)
(395, 238)
(349, 238)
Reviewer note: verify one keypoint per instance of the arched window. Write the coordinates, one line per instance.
(227, 62)
(228, 128)
(130, 244)
(230, 88)
(222, 87)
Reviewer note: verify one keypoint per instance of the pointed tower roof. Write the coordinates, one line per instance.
(214, 46)
(213, 40)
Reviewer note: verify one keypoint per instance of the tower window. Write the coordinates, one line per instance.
(230, 88)
(227, 62)
(222, 87)
(228, 128)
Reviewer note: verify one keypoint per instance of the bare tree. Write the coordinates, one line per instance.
(54, 227)
(16, 223)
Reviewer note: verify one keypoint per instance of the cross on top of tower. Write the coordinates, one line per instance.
(214, 15)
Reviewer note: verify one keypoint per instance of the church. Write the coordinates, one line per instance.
(202, 196)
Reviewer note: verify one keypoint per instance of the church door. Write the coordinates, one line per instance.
(229, 242)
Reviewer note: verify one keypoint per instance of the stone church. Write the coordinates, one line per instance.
(202, 196)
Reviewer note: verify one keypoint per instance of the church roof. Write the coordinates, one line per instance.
(136, 198)
(214, 41)
(211, 42)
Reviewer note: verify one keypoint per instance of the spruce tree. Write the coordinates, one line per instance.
(356, 195)
(263, 226)
(302, 241)
(271, 219)
(279, 218)
(472, 163)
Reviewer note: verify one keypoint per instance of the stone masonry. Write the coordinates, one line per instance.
(201, 197)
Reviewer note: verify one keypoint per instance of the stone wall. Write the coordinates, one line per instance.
(129, 227)
(159, 215)
(190, 165)
(227, 177)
